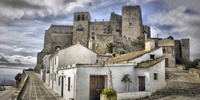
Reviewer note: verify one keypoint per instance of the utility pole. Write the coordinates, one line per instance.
(4, 82)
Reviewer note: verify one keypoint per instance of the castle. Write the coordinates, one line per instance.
(95, 35)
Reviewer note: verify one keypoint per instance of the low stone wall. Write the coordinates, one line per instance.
(132, 95)
(196, 74)
(21, 86)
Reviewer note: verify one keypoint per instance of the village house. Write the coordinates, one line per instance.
(76, 73)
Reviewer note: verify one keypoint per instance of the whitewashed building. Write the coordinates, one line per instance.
(77, 75)
(45, 71)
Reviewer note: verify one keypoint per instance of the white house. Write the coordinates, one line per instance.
(46, 68)
(68, 56)
(79, 77)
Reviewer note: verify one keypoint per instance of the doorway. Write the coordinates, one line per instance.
(62, 84)
(166, 62)
(141, 83)
(97, 84)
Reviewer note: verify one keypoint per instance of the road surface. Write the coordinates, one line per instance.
(35, 89)
(7, 94)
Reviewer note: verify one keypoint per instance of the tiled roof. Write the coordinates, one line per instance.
(126, 57)
(149, 63)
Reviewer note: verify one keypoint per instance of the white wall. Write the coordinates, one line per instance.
(118, 71)
(160, 82)
(158, 53)
(67, 73)
(143, 72)
(76, 54)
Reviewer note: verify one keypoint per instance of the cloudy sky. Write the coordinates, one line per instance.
(23, 22)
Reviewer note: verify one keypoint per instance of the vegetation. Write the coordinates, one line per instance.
(110, 46)
(139, 43)
(127, 80)
(18, 76)
(110, 93)
(149, 63)
(188, 64)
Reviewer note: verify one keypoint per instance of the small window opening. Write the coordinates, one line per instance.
(152, 56)
(155, 75)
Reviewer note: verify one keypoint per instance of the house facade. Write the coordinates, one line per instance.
(76, 73)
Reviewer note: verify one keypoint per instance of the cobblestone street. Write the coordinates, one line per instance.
(35, 89)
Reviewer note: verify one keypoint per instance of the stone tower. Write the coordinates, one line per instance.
(185, 49)
(81, 28)
(131, 22)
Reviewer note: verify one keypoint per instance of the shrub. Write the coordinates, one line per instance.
(109, 93)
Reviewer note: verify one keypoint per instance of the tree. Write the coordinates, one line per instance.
(139, 43)
(110, 46)
(18, 76)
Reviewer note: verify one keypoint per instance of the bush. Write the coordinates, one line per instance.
(110, 93)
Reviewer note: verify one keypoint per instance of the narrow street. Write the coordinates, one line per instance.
(7, 94)
(35, 89)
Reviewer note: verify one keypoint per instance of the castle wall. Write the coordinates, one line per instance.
(81, 28)
(101, 41)
(57, 35)
(38, 66)
(147, 29)
(178, 49)
(131, 22)
(185, 48)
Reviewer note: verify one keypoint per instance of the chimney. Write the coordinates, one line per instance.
(149, 44)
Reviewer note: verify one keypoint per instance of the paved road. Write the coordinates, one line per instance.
(35, 89)
(7, 94)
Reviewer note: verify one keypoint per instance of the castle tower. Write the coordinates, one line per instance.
(81, 28)
(131, 22)
(185, 44)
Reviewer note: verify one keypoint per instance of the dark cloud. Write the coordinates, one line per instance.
(19, 4)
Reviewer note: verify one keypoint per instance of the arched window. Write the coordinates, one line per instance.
(80, 28)
(78, 18)
(57, 48)
(104, 29)
(83, 17)
(117, 28)
(93, 35)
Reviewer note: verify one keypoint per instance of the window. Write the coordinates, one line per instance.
(80, 28)
(78, 18)
(68, 83)
(83, 17)
(164, 50)
(66, 30)
(93, 35)
(152, 56)
(130, 24)
(92, 28)
(117, 28)
(60, 30)
(155, 76)
(104, 29)
(55, 30)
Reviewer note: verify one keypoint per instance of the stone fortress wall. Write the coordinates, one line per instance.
(120, 30)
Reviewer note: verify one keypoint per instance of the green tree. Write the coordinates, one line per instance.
(17, 77)
(139, 43)
(110, 46)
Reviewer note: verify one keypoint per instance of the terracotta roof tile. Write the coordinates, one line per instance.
(126, 57)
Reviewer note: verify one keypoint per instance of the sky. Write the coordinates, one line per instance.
(23, 23)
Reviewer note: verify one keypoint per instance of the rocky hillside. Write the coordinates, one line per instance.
(182, 85)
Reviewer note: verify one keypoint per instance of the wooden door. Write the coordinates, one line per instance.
(166, 62)
(97, 84)
(141, 83)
